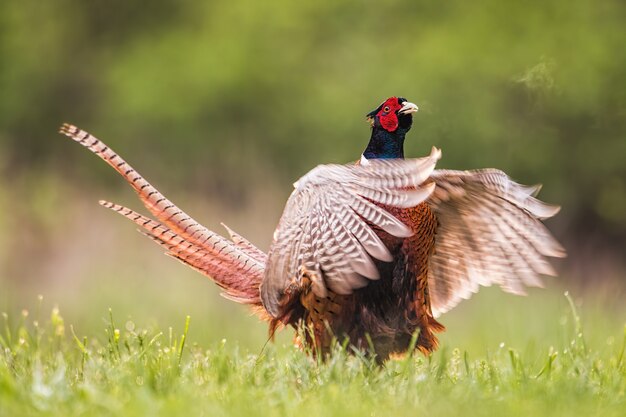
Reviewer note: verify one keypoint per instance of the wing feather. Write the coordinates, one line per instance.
(326, 227)
(490, 232)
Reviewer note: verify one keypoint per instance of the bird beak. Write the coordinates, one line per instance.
(407, 108)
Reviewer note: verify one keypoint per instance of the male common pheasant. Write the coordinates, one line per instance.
(372, 251)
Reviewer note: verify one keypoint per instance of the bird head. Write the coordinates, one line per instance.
(393, 114)
(390, 123)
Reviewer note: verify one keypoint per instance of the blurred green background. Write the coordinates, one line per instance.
(223, 104)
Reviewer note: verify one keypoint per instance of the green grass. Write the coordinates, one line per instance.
(47, 369)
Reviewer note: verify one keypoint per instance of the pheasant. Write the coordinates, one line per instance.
(372, 252)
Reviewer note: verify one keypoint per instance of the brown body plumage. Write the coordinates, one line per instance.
(390, 310)
(371, 252)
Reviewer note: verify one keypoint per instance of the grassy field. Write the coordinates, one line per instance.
(550, 366)
(65, 355)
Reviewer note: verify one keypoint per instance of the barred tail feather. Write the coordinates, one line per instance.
(234, 280)
(160, 207)
(238, 270)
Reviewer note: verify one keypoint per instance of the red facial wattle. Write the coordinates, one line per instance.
(387, 114)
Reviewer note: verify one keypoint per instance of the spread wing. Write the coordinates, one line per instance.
(325, 231)
(490, 232)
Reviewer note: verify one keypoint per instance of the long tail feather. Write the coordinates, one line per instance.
(160, 207)
(237, 266)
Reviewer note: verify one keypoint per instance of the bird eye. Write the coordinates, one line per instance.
(386, 109)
